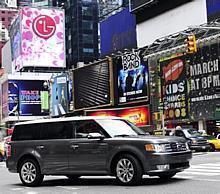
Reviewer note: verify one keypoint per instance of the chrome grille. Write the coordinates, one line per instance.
(175, 147)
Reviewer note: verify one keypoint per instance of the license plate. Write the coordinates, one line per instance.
(203, 147)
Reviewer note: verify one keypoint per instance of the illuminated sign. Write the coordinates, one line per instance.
(174, 87)
(132, 75)
(44, 26)
(27, 98)
(42, 40)
(140, 116)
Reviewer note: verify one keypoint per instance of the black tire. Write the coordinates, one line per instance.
(167, 176)
(31, 169)
(73, 177)
(130, 167)
(212, 149)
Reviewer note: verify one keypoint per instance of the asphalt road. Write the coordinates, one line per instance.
(203, 177)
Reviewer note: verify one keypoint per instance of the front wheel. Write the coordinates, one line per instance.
(212, 149)
(29, 173)
(128, 170)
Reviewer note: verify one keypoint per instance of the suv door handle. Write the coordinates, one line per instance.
(74, 146)
(40, 147)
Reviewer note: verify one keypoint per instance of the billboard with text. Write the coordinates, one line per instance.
(27, 98)
(139, 115)
(132, 78)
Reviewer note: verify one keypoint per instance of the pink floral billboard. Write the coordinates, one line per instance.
(43, 38)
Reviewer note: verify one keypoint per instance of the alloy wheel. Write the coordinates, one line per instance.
(125, 170)
(28, 172)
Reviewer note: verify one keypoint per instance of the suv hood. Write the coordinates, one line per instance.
(154, 139)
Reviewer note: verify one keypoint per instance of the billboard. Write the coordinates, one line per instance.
(4, 96)
(15, 36)
(132, 78)
(204, 82)
(43, 38)
(140, 115)
(121, 34)
(27, 98)
(91, 85)
(213, 9)
(174, 87)
(59, 95)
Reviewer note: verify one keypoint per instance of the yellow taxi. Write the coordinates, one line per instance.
(215, 143)
(2, 150)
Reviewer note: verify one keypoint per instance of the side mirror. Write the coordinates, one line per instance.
(95, 136)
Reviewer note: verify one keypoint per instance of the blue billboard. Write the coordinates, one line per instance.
(28, 98)
(118, 32)
(59, 95)
(213, 9)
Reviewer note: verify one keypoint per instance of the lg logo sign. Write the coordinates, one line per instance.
(44, 26)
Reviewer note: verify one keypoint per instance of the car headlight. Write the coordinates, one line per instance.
(155, 147)
(194, 141)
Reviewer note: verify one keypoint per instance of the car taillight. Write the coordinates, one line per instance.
(8, 150)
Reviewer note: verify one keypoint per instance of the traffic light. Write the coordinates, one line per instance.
(191, 44)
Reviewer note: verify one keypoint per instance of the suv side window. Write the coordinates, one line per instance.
(26, 132)
(179, 133)
(83, 128)
(56, 130)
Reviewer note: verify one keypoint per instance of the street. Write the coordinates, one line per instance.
(202, 177)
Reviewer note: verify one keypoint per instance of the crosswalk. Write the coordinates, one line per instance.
(2, 165)
(209, 171)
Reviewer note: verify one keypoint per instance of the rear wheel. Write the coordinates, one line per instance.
(128, 170)
(167, 176)
(29, 172)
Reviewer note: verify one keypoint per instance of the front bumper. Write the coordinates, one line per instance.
(177, 161)
(198, 147)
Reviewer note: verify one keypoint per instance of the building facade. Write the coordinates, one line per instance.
(81, 32)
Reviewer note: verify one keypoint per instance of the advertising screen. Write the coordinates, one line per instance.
(140, 116)
(204, 82)
(213, 9)
(59, 97)
(15, 35)
(121, 34)
(132, 77)
(27, 98)
(43, 38)
(4, 96)
(174, 87)
(91, 85)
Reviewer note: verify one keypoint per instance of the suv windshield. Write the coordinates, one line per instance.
(192, 132)
(120, 128)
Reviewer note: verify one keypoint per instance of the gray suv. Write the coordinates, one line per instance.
(77, 146)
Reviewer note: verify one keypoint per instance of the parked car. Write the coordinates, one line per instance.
(78, 146)
(196, 141)
(214, 143)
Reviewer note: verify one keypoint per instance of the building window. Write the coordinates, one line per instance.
(88, 50)
(3, 19)
(87, 25)
(87, 38)
(87, 11)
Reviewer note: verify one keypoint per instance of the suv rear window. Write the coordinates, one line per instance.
(26, 132)
(42, 131)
